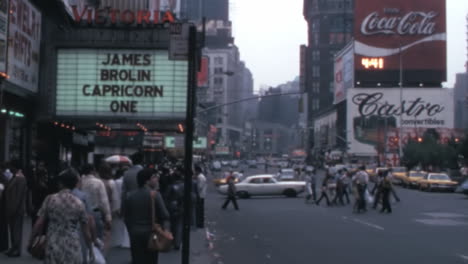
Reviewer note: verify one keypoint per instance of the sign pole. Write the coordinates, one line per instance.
(191, 93)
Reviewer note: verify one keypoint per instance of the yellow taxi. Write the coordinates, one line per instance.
(373, 175)
(437, 181)
(399, 174)
(223, 180)
(412, 181)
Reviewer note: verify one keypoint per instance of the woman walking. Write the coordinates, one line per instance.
(61, 216)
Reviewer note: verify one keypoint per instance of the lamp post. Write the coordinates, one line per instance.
(400, 147)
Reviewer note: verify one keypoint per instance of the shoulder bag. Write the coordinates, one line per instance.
(38, 243)
(160, 240)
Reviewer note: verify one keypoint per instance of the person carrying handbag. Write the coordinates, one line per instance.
(144, 214)
(59, 219)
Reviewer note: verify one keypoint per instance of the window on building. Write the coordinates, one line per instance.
(218, 70)
(218, 60)
(316, 39)
(316, 55)
(315, 71)
(331, 39)
(218, 80)
(316, 87)
(332, 86)
(316, 25)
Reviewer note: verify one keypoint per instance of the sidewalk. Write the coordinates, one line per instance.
(199, 252)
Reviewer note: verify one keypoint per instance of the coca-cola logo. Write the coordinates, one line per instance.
(413, 23)
(370, 104)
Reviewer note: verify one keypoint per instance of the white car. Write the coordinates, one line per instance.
(265, 184)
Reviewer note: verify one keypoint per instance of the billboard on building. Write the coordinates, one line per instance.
(120, 83)
(374, 115)
(344, 73)
(166, 5)
(202, 74)
(24, 44)
(386, 29)
(3, 34)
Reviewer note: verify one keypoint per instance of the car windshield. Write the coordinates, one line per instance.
(439, 177)
(399, 169)
(417, 174)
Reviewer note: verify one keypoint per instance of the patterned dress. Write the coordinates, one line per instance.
(64, 214)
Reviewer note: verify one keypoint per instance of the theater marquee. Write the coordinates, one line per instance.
(120, 83)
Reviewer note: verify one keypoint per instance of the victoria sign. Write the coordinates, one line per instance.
(400, 33)
(120, 83)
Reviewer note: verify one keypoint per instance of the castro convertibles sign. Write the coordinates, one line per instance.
(120, 83)
(372, 113)
(383, 28)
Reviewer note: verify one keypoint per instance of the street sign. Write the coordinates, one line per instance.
(178, 44)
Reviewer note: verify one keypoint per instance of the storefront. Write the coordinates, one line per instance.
(378, 120)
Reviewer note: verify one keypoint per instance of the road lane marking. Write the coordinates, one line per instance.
(359, 221)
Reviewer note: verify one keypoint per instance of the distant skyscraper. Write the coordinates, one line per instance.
(211, 9)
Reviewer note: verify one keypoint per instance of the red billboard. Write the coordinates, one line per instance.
(202, 75)
(399, 34)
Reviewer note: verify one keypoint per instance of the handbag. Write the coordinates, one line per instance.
(160, 240)
(37, 247)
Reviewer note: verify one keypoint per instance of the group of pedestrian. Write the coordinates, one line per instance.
(90, 210)
(337, 188)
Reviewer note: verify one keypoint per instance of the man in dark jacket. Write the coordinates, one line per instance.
(15, 201)
(138, 216)
(231, 193)
(175, 201)
(129, 182)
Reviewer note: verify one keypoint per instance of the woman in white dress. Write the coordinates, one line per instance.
(119, 230)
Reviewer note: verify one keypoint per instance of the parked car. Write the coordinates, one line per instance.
(216, 165)
(437, 181)
(252, 163)
(399, 175)
(265, 184)
(234, 163)
(412, 181)
(464, 187)
(286, 175)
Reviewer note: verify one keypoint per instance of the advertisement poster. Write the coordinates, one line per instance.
(120, 83)
(373, 116)
(386, 29)
(24, 48)
(344, 73)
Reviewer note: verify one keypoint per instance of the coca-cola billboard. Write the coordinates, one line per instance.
(399, 34)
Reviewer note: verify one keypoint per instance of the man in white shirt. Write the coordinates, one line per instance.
(97, 199)
(202, 186)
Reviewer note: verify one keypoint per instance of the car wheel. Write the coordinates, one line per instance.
(290, 193)
(243, 194)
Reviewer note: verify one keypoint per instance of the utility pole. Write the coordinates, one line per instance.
(189, 123)
(400, 136)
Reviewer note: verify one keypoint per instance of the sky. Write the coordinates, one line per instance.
(269, 33)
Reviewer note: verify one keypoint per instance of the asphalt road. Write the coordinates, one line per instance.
(423, 228)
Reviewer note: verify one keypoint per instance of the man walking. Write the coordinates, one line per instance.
(231, 193)
(98, 200)
(15, 201)
(362, 179)
(129, 182)
(202, 186)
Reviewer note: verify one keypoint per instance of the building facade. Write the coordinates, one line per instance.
(461, 101)
(330, 25)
